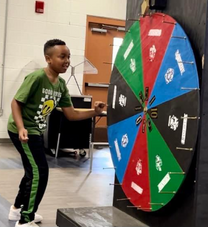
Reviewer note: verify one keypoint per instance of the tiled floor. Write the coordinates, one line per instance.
(70, 183)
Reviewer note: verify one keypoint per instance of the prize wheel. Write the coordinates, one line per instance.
(153, 111)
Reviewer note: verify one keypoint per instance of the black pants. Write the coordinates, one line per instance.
(34, 181)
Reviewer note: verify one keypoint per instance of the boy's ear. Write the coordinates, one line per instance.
(48, 59)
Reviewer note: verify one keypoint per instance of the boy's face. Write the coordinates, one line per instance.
(58, 58)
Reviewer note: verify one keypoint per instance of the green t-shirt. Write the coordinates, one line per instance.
(39, 97)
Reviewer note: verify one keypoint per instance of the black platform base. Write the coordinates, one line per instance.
(95, 217)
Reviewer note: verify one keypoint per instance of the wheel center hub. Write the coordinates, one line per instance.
(145, 110)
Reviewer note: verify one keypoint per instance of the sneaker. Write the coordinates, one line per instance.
(14, 215)
(38, 218)
(29, 224)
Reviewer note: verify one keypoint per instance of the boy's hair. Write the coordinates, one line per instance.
(52, 43)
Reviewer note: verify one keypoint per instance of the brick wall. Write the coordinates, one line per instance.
(28, 31)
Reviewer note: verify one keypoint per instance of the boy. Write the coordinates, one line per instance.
(38, 95)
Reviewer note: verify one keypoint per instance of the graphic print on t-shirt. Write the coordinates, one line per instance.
(49, 101)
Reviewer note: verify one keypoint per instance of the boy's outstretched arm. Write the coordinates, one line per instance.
(76, 115)
(17, 116)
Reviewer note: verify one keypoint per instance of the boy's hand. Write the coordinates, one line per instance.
(23, 135)
(99, 106)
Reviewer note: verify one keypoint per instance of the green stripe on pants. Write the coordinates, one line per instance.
(35, 182)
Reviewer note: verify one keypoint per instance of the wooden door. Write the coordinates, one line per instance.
(98, 50)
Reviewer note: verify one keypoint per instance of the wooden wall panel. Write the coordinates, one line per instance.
(189, 206)
(132, 11)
